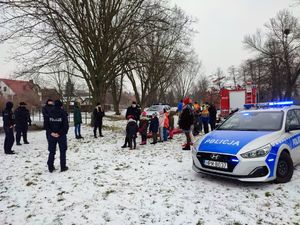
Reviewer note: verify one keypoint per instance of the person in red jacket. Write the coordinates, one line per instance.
(166, 125)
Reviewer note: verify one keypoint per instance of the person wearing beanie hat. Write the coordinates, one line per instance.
(57, 127)
(98, 115)
(186, 121)
(143, 128)
(22, 118)
(8, 126)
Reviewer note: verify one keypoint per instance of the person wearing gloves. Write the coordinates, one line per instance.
(8, 126)
(98, 115)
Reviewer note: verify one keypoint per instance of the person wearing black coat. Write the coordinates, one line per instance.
(46, 110)
(143, 128)
(212, 116)
(22, 118)
(8, 126)
(134, 111)
(154, 126)
(57, 126)
(98, 115)
(131, 132)
(186, 121)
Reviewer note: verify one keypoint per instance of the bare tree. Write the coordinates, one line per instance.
(188, 75)
(94, 35)
(279, 48)
(159, 55)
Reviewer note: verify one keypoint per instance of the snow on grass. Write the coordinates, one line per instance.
(151, 185)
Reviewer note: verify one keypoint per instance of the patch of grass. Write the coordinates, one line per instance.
(107, 193)
(29, 183)
(200, 222)
(268, 194)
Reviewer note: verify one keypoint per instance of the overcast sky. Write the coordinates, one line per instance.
(221, 26)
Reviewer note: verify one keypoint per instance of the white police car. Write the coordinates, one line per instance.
(253, 145)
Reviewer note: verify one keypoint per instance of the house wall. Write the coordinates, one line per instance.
(6, 91)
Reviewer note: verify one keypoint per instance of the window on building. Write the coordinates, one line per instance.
(4, 88)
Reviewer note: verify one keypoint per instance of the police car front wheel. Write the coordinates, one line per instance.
(285, 168)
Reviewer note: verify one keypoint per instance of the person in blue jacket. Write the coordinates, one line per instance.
(57, 126)
(22, 118)
(8, 126)
(154, 125)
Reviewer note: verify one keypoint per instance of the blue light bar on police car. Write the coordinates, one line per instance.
(269, 104)
(285, 103)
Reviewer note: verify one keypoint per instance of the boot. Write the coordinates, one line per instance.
(64, 169)
(124, 146)
(19, 143)
(26, 142)
(143, 143)
(187, 147)
(80, 137)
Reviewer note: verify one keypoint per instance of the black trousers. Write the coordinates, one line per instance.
(154, 137)
(132, 140)
(9, 139)
(212, 124)
(205, 126)
(21, 132)
(98, 126)
(144, 137)
(52, 143)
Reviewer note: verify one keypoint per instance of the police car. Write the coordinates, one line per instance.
(255, 145)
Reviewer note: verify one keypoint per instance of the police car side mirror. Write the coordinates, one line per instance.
(293, 127)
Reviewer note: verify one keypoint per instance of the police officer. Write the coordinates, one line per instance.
(22, 117)
(46, 110)
(57, 127)
(8, 125)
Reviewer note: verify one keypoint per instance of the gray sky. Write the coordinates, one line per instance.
(221, 26)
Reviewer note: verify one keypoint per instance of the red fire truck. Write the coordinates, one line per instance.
(233, 99)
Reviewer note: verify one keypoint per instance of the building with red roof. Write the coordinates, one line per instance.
(21, 91)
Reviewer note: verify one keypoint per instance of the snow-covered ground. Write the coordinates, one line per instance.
(151, 185)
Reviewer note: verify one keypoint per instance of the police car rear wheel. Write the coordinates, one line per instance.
(285, 168)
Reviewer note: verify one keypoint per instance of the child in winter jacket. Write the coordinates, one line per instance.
(154, 125)
(143, 128)
(171, 124)
(131, 132)
(166, 125)
(161, 120)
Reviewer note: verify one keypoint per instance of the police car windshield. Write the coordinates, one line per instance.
(254, 121)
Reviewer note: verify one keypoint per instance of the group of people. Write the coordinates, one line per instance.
(20, 119)
(159, 125)
(192, 117)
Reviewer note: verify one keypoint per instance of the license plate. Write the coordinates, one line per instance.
(222, 165)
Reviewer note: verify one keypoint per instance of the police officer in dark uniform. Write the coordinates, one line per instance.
(57, 127)
(22, 117)
(8, 125)
(46, 110)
